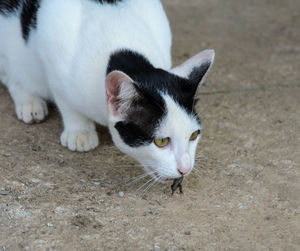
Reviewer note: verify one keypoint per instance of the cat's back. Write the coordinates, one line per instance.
(108, 25)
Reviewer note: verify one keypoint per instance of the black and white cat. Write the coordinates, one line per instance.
(109, 62)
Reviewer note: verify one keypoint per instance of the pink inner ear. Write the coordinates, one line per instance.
(113, 83)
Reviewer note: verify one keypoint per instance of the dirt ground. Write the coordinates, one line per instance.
(244, 193)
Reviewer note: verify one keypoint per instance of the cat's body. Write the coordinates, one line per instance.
(65, 51)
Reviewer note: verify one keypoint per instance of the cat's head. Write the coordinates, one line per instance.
(152, 116)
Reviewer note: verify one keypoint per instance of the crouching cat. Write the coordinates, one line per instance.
(109, 62)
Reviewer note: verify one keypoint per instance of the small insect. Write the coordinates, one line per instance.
(176, 184)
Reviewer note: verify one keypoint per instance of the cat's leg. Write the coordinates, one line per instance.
(29, 108)
(79, 132)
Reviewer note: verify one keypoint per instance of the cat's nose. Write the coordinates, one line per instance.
(184, 165)
(183, 170)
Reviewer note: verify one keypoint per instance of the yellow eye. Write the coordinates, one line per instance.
(162, 142)
(194, 135)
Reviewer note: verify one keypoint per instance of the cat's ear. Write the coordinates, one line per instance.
(196, 67)
(120, 93)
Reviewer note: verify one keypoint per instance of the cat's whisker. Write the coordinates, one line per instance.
(196, 170)
(145, 184)
(154, 175)
(129, 166)
(151, 185)
(132, 181)
(147, 188)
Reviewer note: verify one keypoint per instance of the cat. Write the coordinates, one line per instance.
(105, 62)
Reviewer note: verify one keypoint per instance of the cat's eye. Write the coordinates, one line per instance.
(194, 135)
(161, 142)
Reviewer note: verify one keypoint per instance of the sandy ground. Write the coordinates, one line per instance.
(244, 193)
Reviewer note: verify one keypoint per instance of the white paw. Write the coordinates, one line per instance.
(81, 141)
(32, 111)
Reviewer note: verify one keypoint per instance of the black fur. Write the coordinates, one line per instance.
(152, 80)
(142, 118)
(146, 113)
(198, 72)
(29, 17)
(133, 134)
(108, 1)
(9, 6)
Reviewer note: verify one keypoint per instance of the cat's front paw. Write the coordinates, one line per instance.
(81, 141)
(33, 110)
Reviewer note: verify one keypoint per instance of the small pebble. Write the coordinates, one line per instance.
(157, 248)
(4, 192)
(154, 212)
(34, 180)
(121, 194)
(242, 206)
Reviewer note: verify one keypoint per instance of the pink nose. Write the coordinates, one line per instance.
(183, 171)
(184, 164)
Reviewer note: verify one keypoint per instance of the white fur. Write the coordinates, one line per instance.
(65, 60)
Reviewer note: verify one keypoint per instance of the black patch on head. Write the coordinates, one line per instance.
(142, 119)
(133, 134)
(108, 1)
(29, 17)
(146, 112)
(150, 80)
(9, 6)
